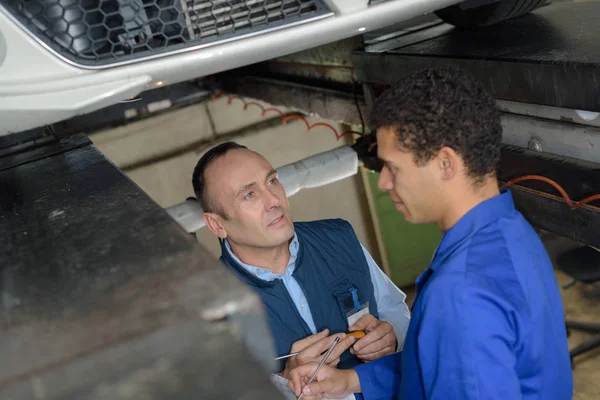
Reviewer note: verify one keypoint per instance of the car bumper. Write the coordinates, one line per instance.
(37, 87)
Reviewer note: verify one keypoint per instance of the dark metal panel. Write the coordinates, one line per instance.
(410, 38)
(104, 297)
(549, 57)
(170, 97)
(15, 139)
(545, 84)
(516, 162)
(564, 34)
(542, 204)
(331, 104)
(553, 215)
(33, 152)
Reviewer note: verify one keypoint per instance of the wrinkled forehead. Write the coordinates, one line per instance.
(239, 167)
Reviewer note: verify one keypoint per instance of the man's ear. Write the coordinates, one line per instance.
(214, 223)
(448, 161)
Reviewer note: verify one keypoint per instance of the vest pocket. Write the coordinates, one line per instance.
(341, 289)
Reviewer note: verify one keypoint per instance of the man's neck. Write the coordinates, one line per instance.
(275, 259)
(466, 200)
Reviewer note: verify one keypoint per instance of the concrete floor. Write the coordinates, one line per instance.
(581, 303)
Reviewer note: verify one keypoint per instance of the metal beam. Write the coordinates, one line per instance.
(560, 138)
(586, 118)
(549, 57)
(105, 297)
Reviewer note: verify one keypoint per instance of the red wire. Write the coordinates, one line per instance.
(271, 109)
(309, 127)
(284, 118)
(570, 203)
(253, 103)
(231, 98)
(287, 118)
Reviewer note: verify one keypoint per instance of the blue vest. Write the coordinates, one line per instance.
(330, 266)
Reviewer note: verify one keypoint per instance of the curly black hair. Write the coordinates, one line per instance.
(440, 107)
(199, 180)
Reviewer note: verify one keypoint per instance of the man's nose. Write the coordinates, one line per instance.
(385, 180)
(272, 200)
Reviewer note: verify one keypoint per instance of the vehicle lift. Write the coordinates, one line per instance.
(106, 295)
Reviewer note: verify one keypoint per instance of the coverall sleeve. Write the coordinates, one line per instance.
(380, 379)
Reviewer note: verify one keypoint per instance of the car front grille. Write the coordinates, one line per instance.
(97, 33)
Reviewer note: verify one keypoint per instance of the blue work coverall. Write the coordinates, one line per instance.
(487, 322)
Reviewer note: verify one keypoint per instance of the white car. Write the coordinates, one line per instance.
(61, 58)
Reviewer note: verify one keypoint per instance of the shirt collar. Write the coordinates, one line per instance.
(263, 273)
(479, 216)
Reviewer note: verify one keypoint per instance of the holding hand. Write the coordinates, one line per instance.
(312, 349)
(379, 341)
(329, 382)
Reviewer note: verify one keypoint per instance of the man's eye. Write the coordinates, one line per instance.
(274, 181)
(248, 195)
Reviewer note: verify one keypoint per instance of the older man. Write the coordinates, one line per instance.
(315, 279)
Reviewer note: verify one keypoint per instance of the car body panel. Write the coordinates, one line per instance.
(37, 87)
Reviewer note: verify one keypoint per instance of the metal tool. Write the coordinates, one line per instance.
(288, 355)
(312, 378)
(356, 334)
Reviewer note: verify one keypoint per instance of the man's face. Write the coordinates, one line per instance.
(415, 190)
(247, 189)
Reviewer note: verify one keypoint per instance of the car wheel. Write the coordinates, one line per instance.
(463, 17)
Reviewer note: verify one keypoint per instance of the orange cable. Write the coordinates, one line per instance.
(271, 109)
(284, 118)
(570, 203)
(253, 103)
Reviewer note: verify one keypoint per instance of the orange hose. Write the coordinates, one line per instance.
(565, 196)
(284, 119)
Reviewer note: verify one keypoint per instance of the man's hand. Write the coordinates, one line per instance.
(379, 341)
(329, 382)
(312, 349)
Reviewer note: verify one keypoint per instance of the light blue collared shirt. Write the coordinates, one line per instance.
(390, 300)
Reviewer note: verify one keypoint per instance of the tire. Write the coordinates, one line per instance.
(488, 14)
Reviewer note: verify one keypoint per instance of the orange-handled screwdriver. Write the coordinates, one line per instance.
(357, 334)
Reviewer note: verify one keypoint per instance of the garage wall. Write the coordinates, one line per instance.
(159, 155)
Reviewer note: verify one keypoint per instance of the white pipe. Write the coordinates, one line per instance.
(318, 170)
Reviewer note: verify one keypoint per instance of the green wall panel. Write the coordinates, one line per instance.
(409, 248)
